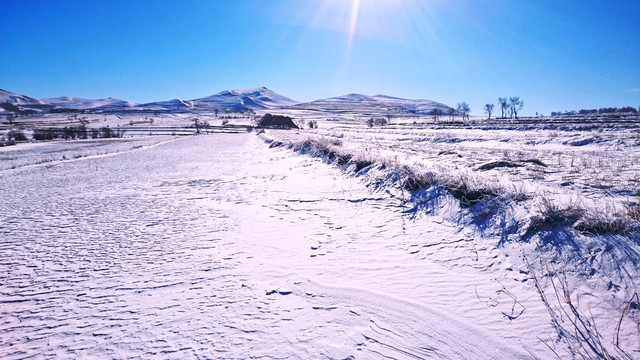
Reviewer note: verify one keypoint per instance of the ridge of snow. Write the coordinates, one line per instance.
(17, 99)
(359, 102)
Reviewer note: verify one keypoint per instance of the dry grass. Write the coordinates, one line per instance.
(471, 189)
(605, 219)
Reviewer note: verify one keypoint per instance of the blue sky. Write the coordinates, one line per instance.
(555, 55)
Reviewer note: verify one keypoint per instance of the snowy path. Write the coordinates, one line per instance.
(218, 247)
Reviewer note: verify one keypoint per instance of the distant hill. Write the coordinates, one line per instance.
(373, 104)
(229, 100)
(16, 103)
(68, 102)
(248, 99)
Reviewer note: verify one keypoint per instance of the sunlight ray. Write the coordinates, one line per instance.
(353, 24)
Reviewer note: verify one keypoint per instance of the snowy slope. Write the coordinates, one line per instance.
(69, 102)
(17, 99)
(11, 102)
(166, 106)
(247, 99)
(373, 104)
(237, 100)
(230, 100)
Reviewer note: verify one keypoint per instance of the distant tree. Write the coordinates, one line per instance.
(628, 109)
(278, 121)
(436, 114)
(312, 124)
(369, 122)
(216, 112)
(196, 124)
(380, 121)
(607, 110)
(452, 111)
(515, 105)
(464, 110)
(376, 121)
(16, 135)
(488, 108)
(206, 126)
(503, 106)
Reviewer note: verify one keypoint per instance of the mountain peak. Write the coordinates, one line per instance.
(259, 98)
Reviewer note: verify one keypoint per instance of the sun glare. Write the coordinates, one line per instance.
(353, 24)
(407, 22)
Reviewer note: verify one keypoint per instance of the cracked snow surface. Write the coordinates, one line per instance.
(219, 247)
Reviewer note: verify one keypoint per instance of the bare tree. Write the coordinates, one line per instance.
(516, 105)
(196, 124)
(488, 108)
(436, 114)
(206, 126)
(503, 106)
(451, 112)
(464, 110)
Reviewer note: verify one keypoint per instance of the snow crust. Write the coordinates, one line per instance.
(221, 247)
(242, 251)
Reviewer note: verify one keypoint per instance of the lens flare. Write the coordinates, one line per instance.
(353, 24)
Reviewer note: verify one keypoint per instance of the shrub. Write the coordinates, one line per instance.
(277, 121)
(17, 135)
(45, 134)
(106, 132)
(377, 121)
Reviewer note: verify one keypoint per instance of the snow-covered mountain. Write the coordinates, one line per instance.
(254, 99)
(68, 102)
(17, 99)
(228, 100)
(373, 104)
(16, 103)
(231, 100)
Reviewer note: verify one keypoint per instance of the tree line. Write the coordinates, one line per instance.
(604, 110)
(509, 107)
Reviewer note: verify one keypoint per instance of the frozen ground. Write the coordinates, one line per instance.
(217, 246)
(557, 194)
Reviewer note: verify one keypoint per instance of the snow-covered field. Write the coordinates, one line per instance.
(220, 247)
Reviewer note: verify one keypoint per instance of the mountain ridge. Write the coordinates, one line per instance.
(259, 98)
(373, 104)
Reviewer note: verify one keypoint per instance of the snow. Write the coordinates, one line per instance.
(373, 104)
(220, 246)
(164, 249)
(228, 100)
(172, 251)
(17, 99)
(68, 102)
